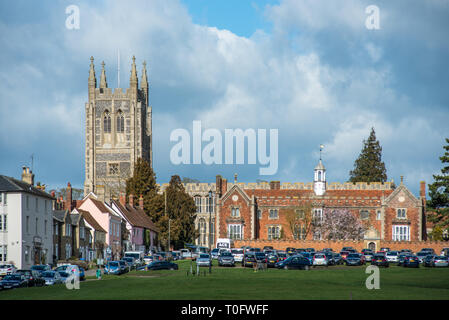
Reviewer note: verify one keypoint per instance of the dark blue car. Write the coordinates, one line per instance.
(411, 261)
(12, 281)
(294, 262)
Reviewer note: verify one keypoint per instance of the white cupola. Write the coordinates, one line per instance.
(319, 180)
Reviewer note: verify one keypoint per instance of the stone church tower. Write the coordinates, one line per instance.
(118, 132)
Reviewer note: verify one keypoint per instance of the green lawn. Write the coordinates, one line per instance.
(237, 283)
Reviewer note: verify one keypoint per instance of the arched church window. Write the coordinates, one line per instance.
(120, 122)
(107, 122)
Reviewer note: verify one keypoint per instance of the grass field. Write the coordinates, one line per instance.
(338, 282)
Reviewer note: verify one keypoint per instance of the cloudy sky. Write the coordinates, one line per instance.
(309, 68)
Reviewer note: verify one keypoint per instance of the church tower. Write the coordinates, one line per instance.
(319, 180)
(118, 132)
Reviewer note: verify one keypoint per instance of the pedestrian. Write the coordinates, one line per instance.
(98, 273)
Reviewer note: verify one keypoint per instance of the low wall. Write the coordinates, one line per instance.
(336, 246)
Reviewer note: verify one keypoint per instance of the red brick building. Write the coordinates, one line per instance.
(258, 211)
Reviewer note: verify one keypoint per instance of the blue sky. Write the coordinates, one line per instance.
(308, 68)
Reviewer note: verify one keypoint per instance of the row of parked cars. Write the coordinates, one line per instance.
(304, 258)
(38, 275)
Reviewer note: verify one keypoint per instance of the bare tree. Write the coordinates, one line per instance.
(339, 224)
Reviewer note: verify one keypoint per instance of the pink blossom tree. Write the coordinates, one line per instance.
(339, 224)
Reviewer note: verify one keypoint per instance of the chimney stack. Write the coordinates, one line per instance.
(131, 200)
(68, 197)
(122, 199)
(224, 186)
(218, 185)
(141, 202)
(27, 175)
(275, 185)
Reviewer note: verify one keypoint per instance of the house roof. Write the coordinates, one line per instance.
(8, 184)
(91, 220)
(59, 215)
(75, 218)
(136, 216)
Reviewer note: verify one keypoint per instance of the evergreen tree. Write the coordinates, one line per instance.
(439, 192)
(369, 166)
(143, 182)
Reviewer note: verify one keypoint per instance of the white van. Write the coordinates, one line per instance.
(137, 255)
(185, 253)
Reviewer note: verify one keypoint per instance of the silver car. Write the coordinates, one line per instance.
(440, 261)
(51, 277)
(319, 259)
(204, 260)
(238, 255)
(392, 256)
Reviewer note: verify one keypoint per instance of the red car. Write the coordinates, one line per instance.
(344, 254)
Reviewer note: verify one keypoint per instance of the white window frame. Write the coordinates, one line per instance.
(274, 232)
(235, 229)
(401, 233)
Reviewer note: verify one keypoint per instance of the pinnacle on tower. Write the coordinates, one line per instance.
(92, 79)
(144, 80)
(133, 78)
(103, 82)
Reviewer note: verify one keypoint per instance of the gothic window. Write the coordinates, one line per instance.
(235, 231)
(401, 214)
(107, 122)
(198, 204)
(202, 227)
(120, 122)
(235, 212)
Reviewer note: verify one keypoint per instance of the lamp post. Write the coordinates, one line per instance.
(210, 233)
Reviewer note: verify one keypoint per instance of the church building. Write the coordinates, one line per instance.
(118, 132)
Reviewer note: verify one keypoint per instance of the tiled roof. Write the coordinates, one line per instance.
(8, 184)
(136, 216)
(59, 215)
(339, 194)
(91, 220)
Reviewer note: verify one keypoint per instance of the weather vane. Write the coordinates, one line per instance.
(321, 148)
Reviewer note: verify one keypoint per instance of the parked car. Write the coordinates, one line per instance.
(422, 255)
(445, 252)
(290, 250)
(161, 265)
(267, 248)
(428, 260)
(428, 250)
(368, 255)
(147, 259)
(338, 259)
(261, 257)
(14, 280)
(310, 250)
(308, 256)
(330, 258)
(40, 268)
(385, 249)
(364, 251)
(214, 253)
(272, 259)
(51, 277)
(294, 262)
(411, 261)
(131, 262)
(402, 257)
(204, 260)
(33, 279)
(124, 266)
(226, 259)
(354, 259)
(249, 259)
(185, 253)
(319, 259)
(113, 267)
(6, 269)
(380, 260)
(440, 261)
(238, 255)
(406, 250)
(347, 249)
(392, 256)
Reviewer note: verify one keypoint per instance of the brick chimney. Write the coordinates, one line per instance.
(27, 175)
(131, 200)
(218, 185)
(275, 185)
(141, 202)
(68, 197)
(422, 191)
(224, 186)
(122, 198)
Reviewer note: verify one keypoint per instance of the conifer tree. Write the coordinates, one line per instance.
(369, 166)
(439, 193)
